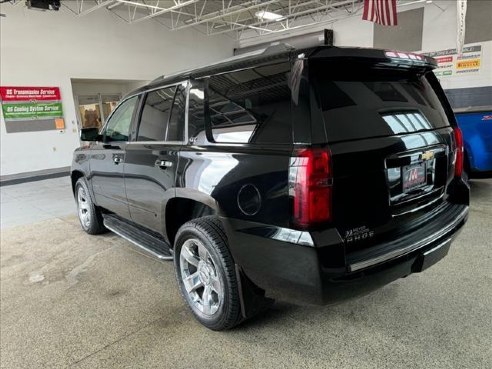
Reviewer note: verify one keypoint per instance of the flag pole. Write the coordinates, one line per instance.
(461, 17)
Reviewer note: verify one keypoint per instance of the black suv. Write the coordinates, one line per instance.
(310, 175)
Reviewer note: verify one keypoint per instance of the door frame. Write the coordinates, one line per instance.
(99, 102)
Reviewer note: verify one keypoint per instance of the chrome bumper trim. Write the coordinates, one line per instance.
(406, 250)
(438, 246)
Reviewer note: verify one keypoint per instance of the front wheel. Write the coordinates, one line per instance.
(89, 216)
(206, 274)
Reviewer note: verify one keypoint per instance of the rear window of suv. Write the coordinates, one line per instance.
(251, 105)
(359, 102)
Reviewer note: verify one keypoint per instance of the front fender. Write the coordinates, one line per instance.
(81, 168)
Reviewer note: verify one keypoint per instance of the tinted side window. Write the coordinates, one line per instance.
(251, 105)
(118, 126)
(155, 115)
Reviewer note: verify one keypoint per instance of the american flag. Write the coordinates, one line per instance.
(380, 11)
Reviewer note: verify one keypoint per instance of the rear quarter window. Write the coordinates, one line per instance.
(251, 105)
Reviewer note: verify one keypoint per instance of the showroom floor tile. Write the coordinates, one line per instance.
(31, 202)
(73, 300)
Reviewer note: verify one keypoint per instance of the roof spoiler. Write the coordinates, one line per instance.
(386, 58)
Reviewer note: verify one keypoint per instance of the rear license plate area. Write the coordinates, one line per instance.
(413, 176)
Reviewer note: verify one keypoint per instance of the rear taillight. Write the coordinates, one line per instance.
(310, 183)
(458, 167)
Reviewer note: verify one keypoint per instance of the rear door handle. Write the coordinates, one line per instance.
(163, 164)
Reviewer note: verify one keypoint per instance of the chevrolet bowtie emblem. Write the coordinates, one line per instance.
(427, 155)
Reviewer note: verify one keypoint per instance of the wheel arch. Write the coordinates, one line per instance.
(185, 206)
(75, 176)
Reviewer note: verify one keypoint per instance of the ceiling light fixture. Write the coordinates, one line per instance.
(263, 14)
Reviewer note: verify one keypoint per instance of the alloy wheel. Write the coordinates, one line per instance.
(83, 207)
(200, 277)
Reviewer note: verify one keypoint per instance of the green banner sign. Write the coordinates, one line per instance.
(32, 110)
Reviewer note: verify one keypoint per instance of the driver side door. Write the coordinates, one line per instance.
(108, 158)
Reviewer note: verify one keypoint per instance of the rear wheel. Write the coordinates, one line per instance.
(89, 216)
(206, 275)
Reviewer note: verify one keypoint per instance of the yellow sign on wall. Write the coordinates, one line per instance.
(468, 64)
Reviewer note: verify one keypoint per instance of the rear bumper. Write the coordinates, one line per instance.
(312, 268)
(429, 235)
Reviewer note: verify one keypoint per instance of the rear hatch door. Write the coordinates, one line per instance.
(391, 145)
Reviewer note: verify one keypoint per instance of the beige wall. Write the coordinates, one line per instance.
(50, 48)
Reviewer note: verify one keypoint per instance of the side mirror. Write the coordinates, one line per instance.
(90, 134)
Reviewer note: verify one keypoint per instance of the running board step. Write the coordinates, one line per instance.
(149, 243)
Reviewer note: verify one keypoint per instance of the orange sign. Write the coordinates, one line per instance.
(60, 123)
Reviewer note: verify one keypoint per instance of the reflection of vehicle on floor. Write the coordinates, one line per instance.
(477, 135)
(312, 176)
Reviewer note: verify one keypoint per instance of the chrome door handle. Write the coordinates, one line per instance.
(117, 159)
(163, 164)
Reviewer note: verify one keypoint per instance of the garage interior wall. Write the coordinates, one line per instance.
(51, 48)
(100, 46)
(438, 33)
(407, 35)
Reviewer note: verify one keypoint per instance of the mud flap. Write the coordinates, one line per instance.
(252, 298)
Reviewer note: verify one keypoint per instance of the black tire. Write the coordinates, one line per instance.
(93, 224)
(208, 231)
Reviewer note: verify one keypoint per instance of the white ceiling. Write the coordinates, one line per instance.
(236, 18)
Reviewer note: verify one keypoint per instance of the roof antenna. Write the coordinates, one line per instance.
(328, 37)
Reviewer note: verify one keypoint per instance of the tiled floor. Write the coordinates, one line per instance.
(31, 202)
(71, 300)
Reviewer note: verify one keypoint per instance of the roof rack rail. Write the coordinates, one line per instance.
(270, 50)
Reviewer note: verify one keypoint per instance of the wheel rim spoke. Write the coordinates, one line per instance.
(188, 255)
(202, 251)
(192, 282)
(207, 300)
(84, 207)
(215, 285)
